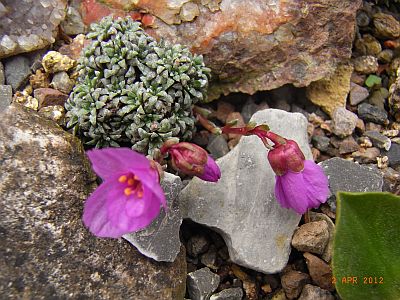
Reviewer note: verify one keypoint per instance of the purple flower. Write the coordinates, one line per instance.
(129, 197)
(300, 184)
(303, 190)
(191, 159)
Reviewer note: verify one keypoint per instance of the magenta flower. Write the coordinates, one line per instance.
(300, 184)
(191, 159)
(128, 199)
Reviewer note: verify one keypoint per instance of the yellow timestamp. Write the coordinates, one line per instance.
(355, 280)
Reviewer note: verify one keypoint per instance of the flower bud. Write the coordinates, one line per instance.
(193, 160)
(287, 156)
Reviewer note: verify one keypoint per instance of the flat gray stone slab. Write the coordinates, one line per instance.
(160, 240)
(242, 206)
(348, 176)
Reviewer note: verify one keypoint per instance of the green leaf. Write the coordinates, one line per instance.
(367, 246)
(373, 80)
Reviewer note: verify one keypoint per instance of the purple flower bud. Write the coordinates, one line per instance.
(286, 157)
(211, 171)
(193, 160)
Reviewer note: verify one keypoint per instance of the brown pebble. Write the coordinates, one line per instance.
(293, 282)
(311, 237)
(366, 156)
(39, 80)
(320, 271)
(48, 96)
(223, 110)
(348, 145)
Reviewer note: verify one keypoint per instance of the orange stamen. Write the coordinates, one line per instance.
(131, 181)
(127, 191)
(122, 178)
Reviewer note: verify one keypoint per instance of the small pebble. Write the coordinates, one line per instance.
(196, 245)
(343, 122)
(48, 96)
(368, 45)
(321, 142)
(320, 271)
(62, 82)
(202, 283)
(39, 80)
(371, 113)
(348, 145)
(55, 113)
(311, 237)
(377, 99)
(223, 110)
(54, 62)
(385, 56)
(357, 94)
(293, 282)
(366, 156)
(17, 71)
(393, 155)
(378, 140)
(311, 292)
(228, 294)
(362, 18)
(366, 64)
(386, 26)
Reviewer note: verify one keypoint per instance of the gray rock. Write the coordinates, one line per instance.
(343, 122)
(370, 113)
(29, 25)
(320, 142)
(2, 78)
(348, 176)
(377, 99)
(209, 258)
(17, 71)
(160, 241)
(312, 292)
(196, 245)
(311, 237)
(378, 139)
(394, 155)
(46, 251)
(202, 283)
(62, 82)
(217, 146)
(5, 96)
(248, 109)
(241, 206)
(228, 294)
(357, 93)
(73, 24)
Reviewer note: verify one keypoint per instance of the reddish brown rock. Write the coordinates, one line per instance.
(293, 282)
(257, 45)
(48, 96)
(320, 271)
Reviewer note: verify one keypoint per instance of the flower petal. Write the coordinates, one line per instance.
(95, 213)
(110, 161)
(279, 193)
(211, 171)
(295, 191)
(316, 181)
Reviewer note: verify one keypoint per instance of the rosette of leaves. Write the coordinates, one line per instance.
(133, 90)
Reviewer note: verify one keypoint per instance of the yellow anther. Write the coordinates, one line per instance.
(139, 194)
(127, 191)
(122, 178)
(131, 181)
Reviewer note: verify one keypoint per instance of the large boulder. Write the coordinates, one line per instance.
(241, 206)
(28, 25)
(256, 44)
(45, 251)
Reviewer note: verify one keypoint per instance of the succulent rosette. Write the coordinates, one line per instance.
(133, 90)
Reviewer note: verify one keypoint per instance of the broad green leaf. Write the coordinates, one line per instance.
(366, 255)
